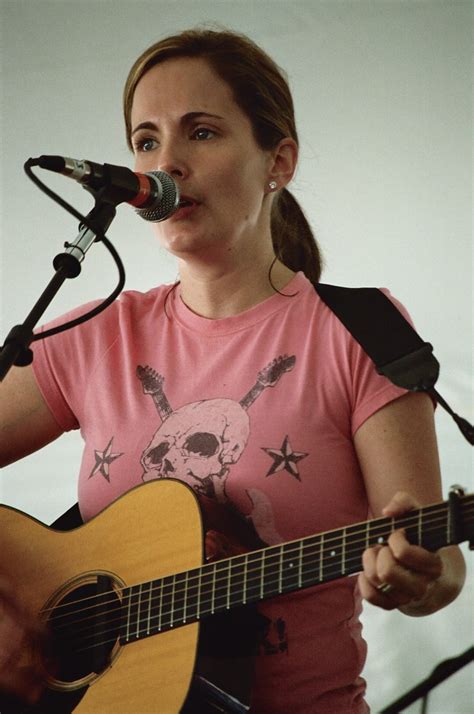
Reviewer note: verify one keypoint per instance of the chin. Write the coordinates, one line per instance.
(183, 243)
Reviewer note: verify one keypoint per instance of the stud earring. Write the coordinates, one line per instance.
(272, 185)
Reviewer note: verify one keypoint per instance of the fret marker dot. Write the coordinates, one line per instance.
(291, 565)
(380, 540)
(333, 553)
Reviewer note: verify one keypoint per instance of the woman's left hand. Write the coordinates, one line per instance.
(398, 574)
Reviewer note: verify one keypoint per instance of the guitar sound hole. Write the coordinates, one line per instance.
(84, 626)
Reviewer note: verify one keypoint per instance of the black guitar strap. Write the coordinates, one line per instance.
(396, 349)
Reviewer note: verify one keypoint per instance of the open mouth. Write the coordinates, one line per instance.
(184, 202)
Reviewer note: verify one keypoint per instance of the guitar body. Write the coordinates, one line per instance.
(151, 532)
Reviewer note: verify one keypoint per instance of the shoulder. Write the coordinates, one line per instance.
(128, 307)
(123, 321)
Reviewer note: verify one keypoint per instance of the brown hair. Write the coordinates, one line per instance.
(261, 91)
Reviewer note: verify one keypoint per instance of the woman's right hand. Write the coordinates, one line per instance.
(22, 648)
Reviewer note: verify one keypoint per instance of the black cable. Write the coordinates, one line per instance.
(98, 308)
(57, 199)
(100, 236)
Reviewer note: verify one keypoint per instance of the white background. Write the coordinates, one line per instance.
(383, 93)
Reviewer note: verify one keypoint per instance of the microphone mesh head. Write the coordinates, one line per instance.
(167, 200)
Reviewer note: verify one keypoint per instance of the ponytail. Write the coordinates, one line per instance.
(293, 240)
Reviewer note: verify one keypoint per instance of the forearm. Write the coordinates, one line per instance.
(444, 589)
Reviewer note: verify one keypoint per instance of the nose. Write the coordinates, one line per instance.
(172, 159)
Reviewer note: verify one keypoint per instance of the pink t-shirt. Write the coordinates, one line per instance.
(257, 410)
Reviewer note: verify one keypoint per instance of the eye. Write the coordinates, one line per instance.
(145, 144)
(157, 454)
(203, 134)
(202, 444)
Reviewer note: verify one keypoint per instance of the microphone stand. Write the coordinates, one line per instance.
(441, 672)
(16, 349)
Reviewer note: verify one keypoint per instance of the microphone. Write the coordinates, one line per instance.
(154, 194)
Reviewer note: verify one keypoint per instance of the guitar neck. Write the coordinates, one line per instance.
(179, 599)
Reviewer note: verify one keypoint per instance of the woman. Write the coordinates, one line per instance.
(239, 381)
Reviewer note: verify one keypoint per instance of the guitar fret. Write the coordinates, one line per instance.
(309, 563)
(174, 600)
(280, 571)
(166, 602)
(160, 601)
(137, 631)
(222, 585)
(290, 567)
(185, 598)
(207, 588)
(343, 556)
(253, 584)
(377, 532)
(192, 581)
(300, 564)
(321, 558)
(354, 546)
(213, 599)
(173, 586)
(133, 614)
(150, 597)
(237, 582)
(271, 569)
(129, 610)
(179, 599)
(246, 561)
(332, 560)
(199, 595)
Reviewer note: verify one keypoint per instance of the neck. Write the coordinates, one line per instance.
(218, 292)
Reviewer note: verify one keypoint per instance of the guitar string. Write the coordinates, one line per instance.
(222, 594)
(278, 552)
(275, 551)
(225, 581)
(219, 606)
(218, 603)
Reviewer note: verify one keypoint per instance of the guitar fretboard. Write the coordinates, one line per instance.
(179, 599)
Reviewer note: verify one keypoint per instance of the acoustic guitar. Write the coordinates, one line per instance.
(107, 588)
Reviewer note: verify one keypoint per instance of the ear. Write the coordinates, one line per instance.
(283, 162)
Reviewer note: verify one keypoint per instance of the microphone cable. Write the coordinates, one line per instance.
(100, 235)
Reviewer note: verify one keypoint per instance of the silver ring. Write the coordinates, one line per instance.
(385, 588)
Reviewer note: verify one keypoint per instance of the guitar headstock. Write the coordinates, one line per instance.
(461, 516)
(151, 380)
(269, 375)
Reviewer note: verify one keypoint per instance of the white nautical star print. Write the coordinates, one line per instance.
(285, 458)
(103, 459)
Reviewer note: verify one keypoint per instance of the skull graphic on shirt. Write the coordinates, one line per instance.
(197, 443)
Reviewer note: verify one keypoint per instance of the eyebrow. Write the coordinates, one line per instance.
(185, 119)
